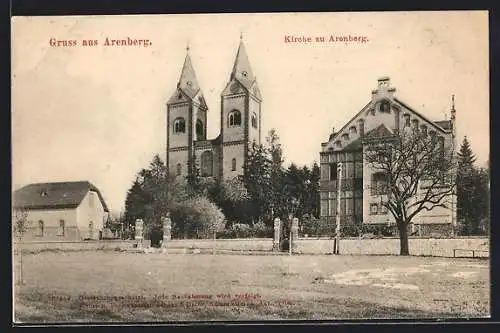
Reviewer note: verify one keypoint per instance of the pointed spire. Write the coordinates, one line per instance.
(242, 71)
(188, 82)
(188, 86)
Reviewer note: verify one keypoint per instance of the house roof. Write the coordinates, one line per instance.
(445, 124)
(54, 195)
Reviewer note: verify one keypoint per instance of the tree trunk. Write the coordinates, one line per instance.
(403, 239)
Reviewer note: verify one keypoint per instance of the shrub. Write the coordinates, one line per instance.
(260, 230)
(311, 225)
(196, 217)
(241, 230)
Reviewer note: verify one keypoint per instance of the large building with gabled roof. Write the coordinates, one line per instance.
(62, 211)
(361, 188)
(188, 148)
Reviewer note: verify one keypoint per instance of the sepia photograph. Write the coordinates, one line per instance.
(255, 167)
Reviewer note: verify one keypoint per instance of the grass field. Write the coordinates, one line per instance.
(121, 286)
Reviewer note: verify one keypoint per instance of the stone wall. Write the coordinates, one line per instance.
(390, 246)
(384, 246)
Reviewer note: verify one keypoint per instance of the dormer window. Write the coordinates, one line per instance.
(338, 144)
(385, 106)
(353, 129)
(423, 128)
(406, 117)
(43, 193)
(414, 123)
(345, 136)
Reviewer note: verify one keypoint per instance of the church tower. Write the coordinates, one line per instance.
(240, 116)
(186, 121)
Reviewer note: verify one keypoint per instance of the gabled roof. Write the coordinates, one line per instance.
(54, 195)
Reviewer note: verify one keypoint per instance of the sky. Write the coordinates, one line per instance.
(98, 113)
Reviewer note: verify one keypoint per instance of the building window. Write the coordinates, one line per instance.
(423, 128)
(179, 169)
(199, 130)
(43, 193)
(206, 164)
(385, 106)
(414, 123)
(353, 129)
(179, 125)
(358, 184)
(379, 183)
(254, 120)
(433, 137)
(407, 119)
(383, 209)
(338, 144)
(91, 229)
(233, 164)
(39, 229)
(373, 209)
(234, 118)
(350, 206)
(60, 231)
(345, 136)
(333, 171)
(361, 127)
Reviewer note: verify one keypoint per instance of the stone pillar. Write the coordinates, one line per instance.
(277, 229)
(139, 230)
(295, 232)
(167, 230)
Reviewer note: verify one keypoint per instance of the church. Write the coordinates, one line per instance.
(362, 189)
(188, 148)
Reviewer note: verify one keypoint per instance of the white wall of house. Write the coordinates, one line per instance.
(58, 224)
(91, 211)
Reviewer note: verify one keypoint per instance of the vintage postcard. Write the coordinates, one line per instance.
(235, 167)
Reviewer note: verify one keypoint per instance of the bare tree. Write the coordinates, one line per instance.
(20, 226)
(419, 171)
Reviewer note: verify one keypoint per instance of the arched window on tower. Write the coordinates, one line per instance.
(233, 164)
(234, 118)
(199, 130)
(179, 169)
(254, 120)
(179, 125)
(206, 164)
